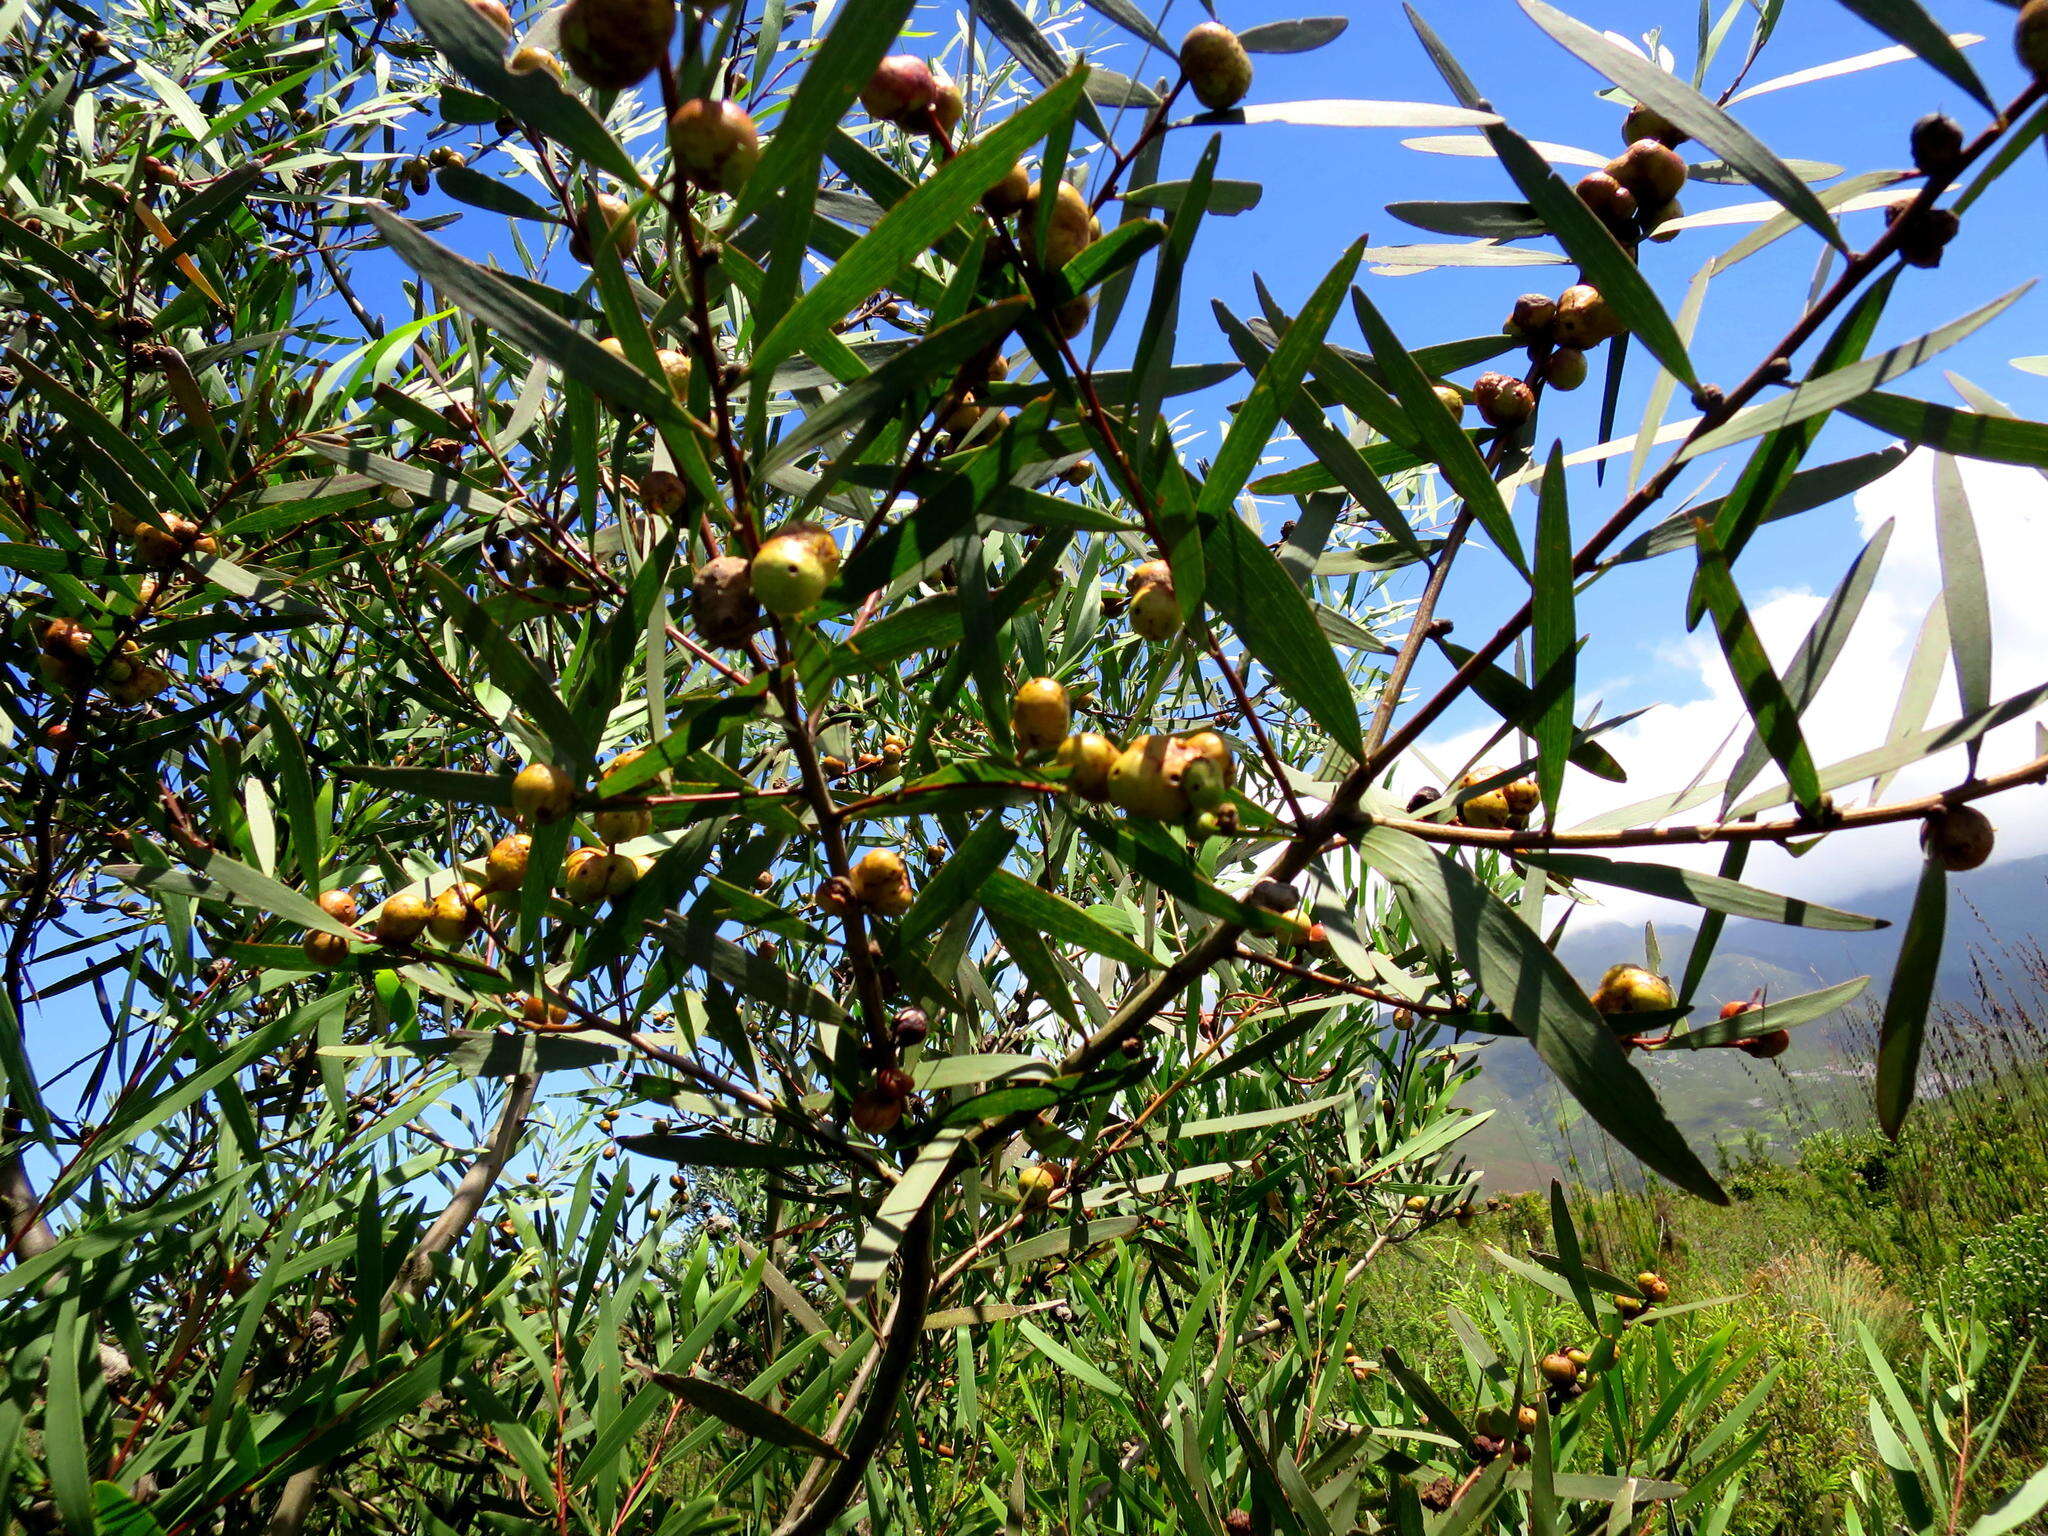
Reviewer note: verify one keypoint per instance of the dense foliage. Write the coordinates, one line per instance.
(751, 679)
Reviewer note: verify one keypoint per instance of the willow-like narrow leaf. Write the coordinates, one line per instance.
(1817, 653)
(1763, 692)
(1555, 649)
(1447, 444)
(1904, 1028)
(1688, 109)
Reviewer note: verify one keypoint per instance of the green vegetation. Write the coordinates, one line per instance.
(1929, 1251)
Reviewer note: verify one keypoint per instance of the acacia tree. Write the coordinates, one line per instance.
(750, 674)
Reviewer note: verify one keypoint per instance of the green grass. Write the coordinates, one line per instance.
(1828, 1234)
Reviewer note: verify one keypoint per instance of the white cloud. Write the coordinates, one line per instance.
(1662, 750)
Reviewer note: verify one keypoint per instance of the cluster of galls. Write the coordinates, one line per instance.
(1069, 225)
(661, 492)
(786, 576)
(878, 882)
(906, 91)
(614, 45)
(162, 544)
(1284, 901)
(65, 662)
(1182, 779)
(1506, 805)
(541, 795)
(1361, 1369)
(1636, 193)
(1655, 1289)
(450, 916)
(961, 408)
(1558, 334)
(880, 1107)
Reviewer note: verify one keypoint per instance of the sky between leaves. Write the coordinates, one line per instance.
(1324, 187)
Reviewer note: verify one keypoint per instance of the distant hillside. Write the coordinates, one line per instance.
(1724, 1097)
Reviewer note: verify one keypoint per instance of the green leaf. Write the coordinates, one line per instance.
(1917, 688)
(1554, 637)
(1486, 221)
(1032, 49)
(1068, 1239)
(1571, 1263)
(1347, 466)
(902, 1205)
(1440, 1414)
(1512, 699)
(1054, 916)
(972, 862)
(253, 888)
(1763, 693)
(2016, 1510)
(1346, 113)
(446, 786)
(2000, 439)
(1906, 23)
(1447, 444)
(1810, 488)
(1067, 1360)
(1787, 1013)
(1769, 468)
(1298, 36)
(1252, 590)
(1905, 1009)
(511, 669)
(1963, 591)
(908, 229)
(1700, 889)
(694, 944)
(495, 1054)
(1117, 251)
(1274, 390)
(1843, 385)
(1688, 109)
(528, 324)
(1817, 652)
(1259, 1119)
(1146, 851)
(863, 406)
(1531, 986)
(491, 194)
(1132, 19)
(1225, 197)
(120, 1515)
(832, 79)
(746, 1415)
